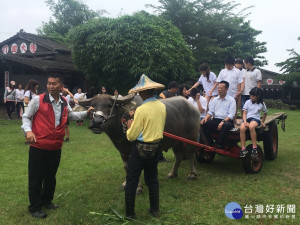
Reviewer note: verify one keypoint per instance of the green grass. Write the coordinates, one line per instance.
(91, 172)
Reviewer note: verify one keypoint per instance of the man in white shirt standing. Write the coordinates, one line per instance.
(232, 75)
(77, 97)
(44, 124)
(239, 64)
(251, 78)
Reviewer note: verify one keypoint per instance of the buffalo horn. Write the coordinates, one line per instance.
(123, 100)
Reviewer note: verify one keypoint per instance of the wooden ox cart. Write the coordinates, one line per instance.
(268, 135)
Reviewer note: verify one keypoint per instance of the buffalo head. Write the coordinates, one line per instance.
(107, 110)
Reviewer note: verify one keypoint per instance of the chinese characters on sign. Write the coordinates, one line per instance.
(270, 211)
(282, 82)
(14, 48)
(32, 47)
(269, 81)
(23, 48)
(5, 49)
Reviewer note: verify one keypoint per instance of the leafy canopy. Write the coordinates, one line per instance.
(115, 52)
(67, 14)
(213, 29)
(292, 64)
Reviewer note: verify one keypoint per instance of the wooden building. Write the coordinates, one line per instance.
(28, 56)
(271, 84)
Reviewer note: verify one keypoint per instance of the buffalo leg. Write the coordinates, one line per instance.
(191, 156)
(177, 161)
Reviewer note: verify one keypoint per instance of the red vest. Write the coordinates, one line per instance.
(49, 137)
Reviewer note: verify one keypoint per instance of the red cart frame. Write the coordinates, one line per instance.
(268, 134)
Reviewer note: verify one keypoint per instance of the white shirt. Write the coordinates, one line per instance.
(27, 94)
(68, 97)
(78, 96)
(222, 108)
(20, 95)
(251, 78)
(254, 109)
(33, 107)
(208, 84)
(233, 77)
(203, 102)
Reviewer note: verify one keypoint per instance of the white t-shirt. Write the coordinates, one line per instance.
(233, 77)
(251, 78)
(20, 95)
(68, 97)
(203, 102)
(78, 96)
(208, 84)
(254, 109)
(27, 94)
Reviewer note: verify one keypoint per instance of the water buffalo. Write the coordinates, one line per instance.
(183, 119)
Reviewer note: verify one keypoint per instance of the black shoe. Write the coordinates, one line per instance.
(51, 206)
(154, 213)
(67, 140)
(131, 217)
(39, 214)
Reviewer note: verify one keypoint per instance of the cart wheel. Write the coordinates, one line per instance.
(271, 142)
(205, 157)
(253, 165)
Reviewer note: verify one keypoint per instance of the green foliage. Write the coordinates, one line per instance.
(213, 29)
(115, 52)
(290, 79)
(292, 64)
(67, 14)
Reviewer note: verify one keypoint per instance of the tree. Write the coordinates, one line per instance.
(67, 14)
(213, 29)
(292, 64)
(115, 52)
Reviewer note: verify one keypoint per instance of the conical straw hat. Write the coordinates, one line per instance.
(145, 83)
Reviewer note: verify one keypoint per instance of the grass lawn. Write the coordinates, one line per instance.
(91, 172)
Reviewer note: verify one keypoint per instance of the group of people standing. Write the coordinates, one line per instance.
(235, 88)
(18, 98)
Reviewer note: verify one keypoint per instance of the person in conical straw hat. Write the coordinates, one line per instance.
(145, 83)
(145, 133)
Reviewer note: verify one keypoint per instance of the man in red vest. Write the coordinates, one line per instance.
(44, 124)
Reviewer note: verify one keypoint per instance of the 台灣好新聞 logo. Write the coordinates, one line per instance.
(233, 211)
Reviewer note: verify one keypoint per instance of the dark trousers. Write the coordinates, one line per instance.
(10, 107)
(135, 166)
(42, 168)
(244, 98)
(211, 126)
(19, 106)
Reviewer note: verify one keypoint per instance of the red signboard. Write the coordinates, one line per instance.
(269, 81)
(14, 48)
(282, 82)
(23, 47)
(32, 47)
(5, 49)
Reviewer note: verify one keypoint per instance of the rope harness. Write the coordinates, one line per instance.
(101, 114)
(125, 117)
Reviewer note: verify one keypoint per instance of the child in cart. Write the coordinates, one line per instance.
(251, 117)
